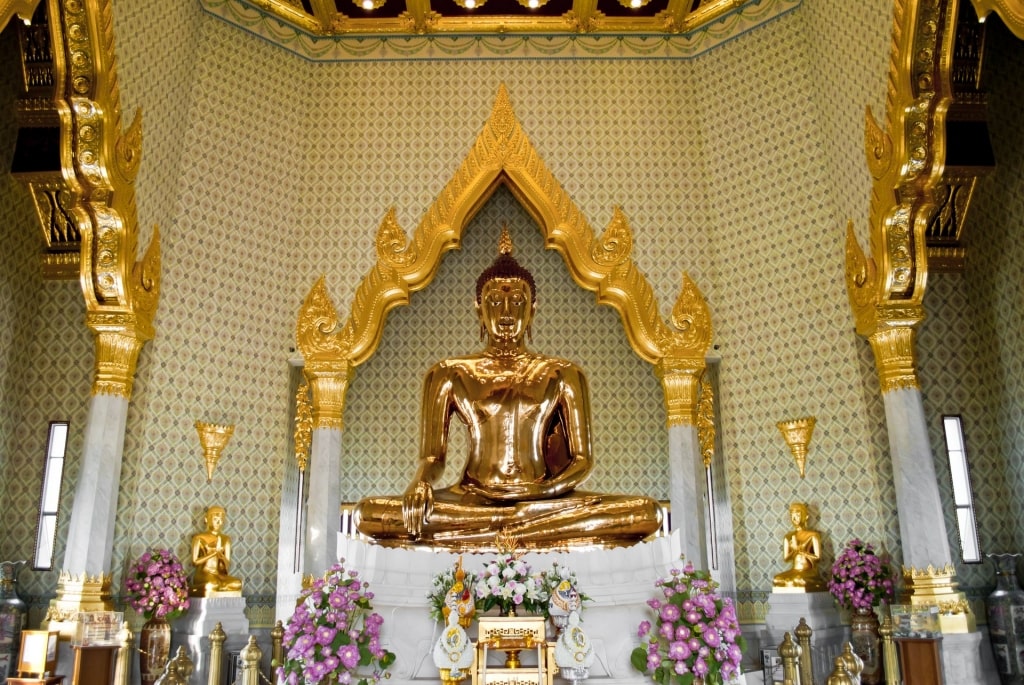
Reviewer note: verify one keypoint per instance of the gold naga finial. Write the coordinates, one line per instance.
(505, 241)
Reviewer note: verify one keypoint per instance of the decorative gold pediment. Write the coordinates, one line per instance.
(503, 155)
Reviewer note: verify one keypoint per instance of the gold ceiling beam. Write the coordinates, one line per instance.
(419, 18)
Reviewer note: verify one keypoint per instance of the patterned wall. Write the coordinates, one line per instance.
(45, 364)
(779, 263)
(268, 171)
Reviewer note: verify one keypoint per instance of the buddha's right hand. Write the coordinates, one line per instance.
(417, 505)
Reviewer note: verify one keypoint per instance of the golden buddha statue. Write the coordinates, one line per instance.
(528, 420)
(802, 548)
(211, 555)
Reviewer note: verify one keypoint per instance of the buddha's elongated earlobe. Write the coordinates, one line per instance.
(483, 332)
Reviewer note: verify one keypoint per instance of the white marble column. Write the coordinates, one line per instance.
(323, 506)
(922, 522)
(93, 512)
(686, 484)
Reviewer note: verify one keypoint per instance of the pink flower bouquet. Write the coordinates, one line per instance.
(334, 630)
(695, 633)
(157, 585)
(860, 578)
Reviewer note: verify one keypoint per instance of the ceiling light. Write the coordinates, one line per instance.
(470, 4)
(533, 4)
(369, 5)
(633, 4)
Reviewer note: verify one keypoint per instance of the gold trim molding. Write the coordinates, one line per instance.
(503, 155)
(99, 161)
(1010, 11)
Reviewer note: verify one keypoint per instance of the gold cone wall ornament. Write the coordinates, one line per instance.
(797, 434)
(213, 438)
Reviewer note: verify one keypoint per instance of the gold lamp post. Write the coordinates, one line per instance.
(797, 434)
(213, 438)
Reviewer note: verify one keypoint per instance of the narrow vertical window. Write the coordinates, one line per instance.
(49, 500)
(963, 498)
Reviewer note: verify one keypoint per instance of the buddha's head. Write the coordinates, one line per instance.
(798, 514)
(215, 518)
(506, 296)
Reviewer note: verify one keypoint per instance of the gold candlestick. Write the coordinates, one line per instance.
(213, 438)
(797, 434)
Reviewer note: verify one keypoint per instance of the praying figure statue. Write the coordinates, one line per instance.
(528, 420)
(802, 549)
(211, 555)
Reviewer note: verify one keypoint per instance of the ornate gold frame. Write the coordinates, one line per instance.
(503, 155)
(95, 184)
(906, 159)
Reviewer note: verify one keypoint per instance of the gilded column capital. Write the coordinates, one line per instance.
(329, 383)
(895, 357)
(680, 381)
(118, 343)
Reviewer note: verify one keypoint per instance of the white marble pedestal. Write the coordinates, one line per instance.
(785, 609)
(193, 631)
(618, 581)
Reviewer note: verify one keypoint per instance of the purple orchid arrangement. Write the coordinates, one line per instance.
(860, 578)
(334, 630)
(157, 585)
(695, 634)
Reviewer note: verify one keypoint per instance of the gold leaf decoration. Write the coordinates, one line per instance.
(316, 330)
(877, 145)
(691, 317)
(706, 421)
(615, 243)
(392, 243)
(860, 283)
(303, 426)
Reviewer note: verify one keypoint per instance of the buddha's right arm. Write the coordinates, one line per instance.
(435, 412)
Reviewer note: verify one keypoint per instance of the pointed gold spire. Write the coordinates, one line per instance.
(797, 434)
(213, 438)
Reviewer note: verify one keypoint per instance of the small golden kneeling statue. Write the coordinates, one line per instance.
(211, 555)
(802, 548)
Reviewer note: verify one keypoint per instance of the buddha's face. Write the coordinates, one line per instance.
(215, 519)
(798, 515)
(505, 308)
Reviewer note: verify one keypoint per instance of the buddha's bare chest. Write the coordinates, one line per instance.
(499, 391)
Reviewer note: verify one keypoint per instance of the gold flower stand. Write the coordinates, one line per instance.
(513, 635)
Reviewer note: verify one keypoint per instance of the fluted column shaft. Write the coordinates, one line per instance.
(323, 508)
(681, 384)
(918, 503)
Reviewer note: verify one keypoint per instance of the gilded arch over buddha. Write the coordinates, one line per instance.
(502, 154)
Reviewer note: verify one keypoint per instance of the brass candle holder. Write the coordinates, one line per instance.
(797, 434)
(213, 438)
